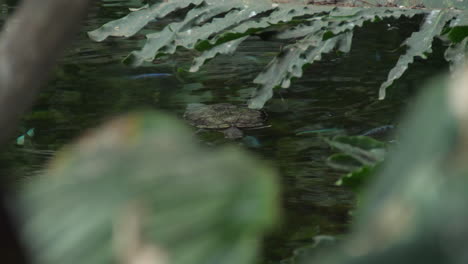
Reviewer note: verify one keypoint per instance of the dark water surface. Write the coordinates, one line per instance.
(91, 85)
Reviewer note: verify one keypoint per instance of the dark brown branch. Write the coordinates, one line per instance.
(30, 43)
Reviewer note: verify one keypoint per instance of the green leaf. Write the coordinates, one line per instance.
(210, 24)
(289, 64)
(132, 23)
(456, 54)
(421, 186)
(305, 253)
(280, 14)
(225, 48)
(461, 20)
(457, 34)
(141, 183)
(364, 149)
(360, 158)
(357, 179)
(346, 18)
(418, 44)
(364, 142)
(343, 162)
(303, 29)
(199, 24)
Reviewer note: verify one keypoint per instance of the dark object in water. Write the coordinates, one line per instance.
(149, 75)
(379, 131)
(225, 117)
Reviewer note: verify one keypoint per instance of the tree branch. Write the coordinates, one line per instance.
(30, 43)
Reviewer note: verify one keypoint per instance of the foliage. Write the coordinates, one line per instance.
(102, 192)
(219, 27)
(360, 157)
(141, 188)
(419, 44)
(111, 197)
(416, 210)
(305, 253)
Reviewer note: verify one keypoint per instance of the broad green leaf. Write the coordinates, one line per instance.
(418, 44)
(210, 24)
(289, 64)
(357, 179)
(282, 13)
(202, 23)
(456, 54)
(225, 48)
(364, 142)
(277, 16)
(305, 253)
(461, 19)
(364, 149)
(141, 186)
(415, 212)
(360, 157)
(135, 21)
(303, 29)
(343, 162)
(187, 32)
(345, 18)
(457, 34)
(459, 27)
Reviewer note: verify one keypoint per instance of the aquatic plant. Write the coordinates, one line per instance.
(359, 157)
(218, 27)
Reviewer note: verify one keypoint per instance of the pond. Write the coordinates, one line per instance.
(338, 92)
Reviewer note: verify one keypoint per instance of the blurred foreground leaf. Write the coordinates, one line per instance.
(416, 210)
(140, 189)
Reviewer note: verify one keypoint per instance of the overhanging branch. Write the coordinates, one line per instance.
(30, 43)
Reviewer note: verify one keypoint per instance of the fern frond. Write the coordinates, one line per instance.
(284, 67)
(418, 44)
(129, 25)
(219, 27)
(456, 54)
(188, 33)
(225, 48)
(289, 64)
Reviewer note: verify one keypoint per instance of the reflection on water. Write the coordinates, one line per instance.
(338, 92)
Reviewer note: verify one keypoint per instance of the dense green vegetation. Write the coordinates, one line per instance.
(215, 27)
(141, 189)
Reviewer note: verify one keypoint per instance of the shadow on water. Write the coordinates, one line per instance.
(340, 91)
